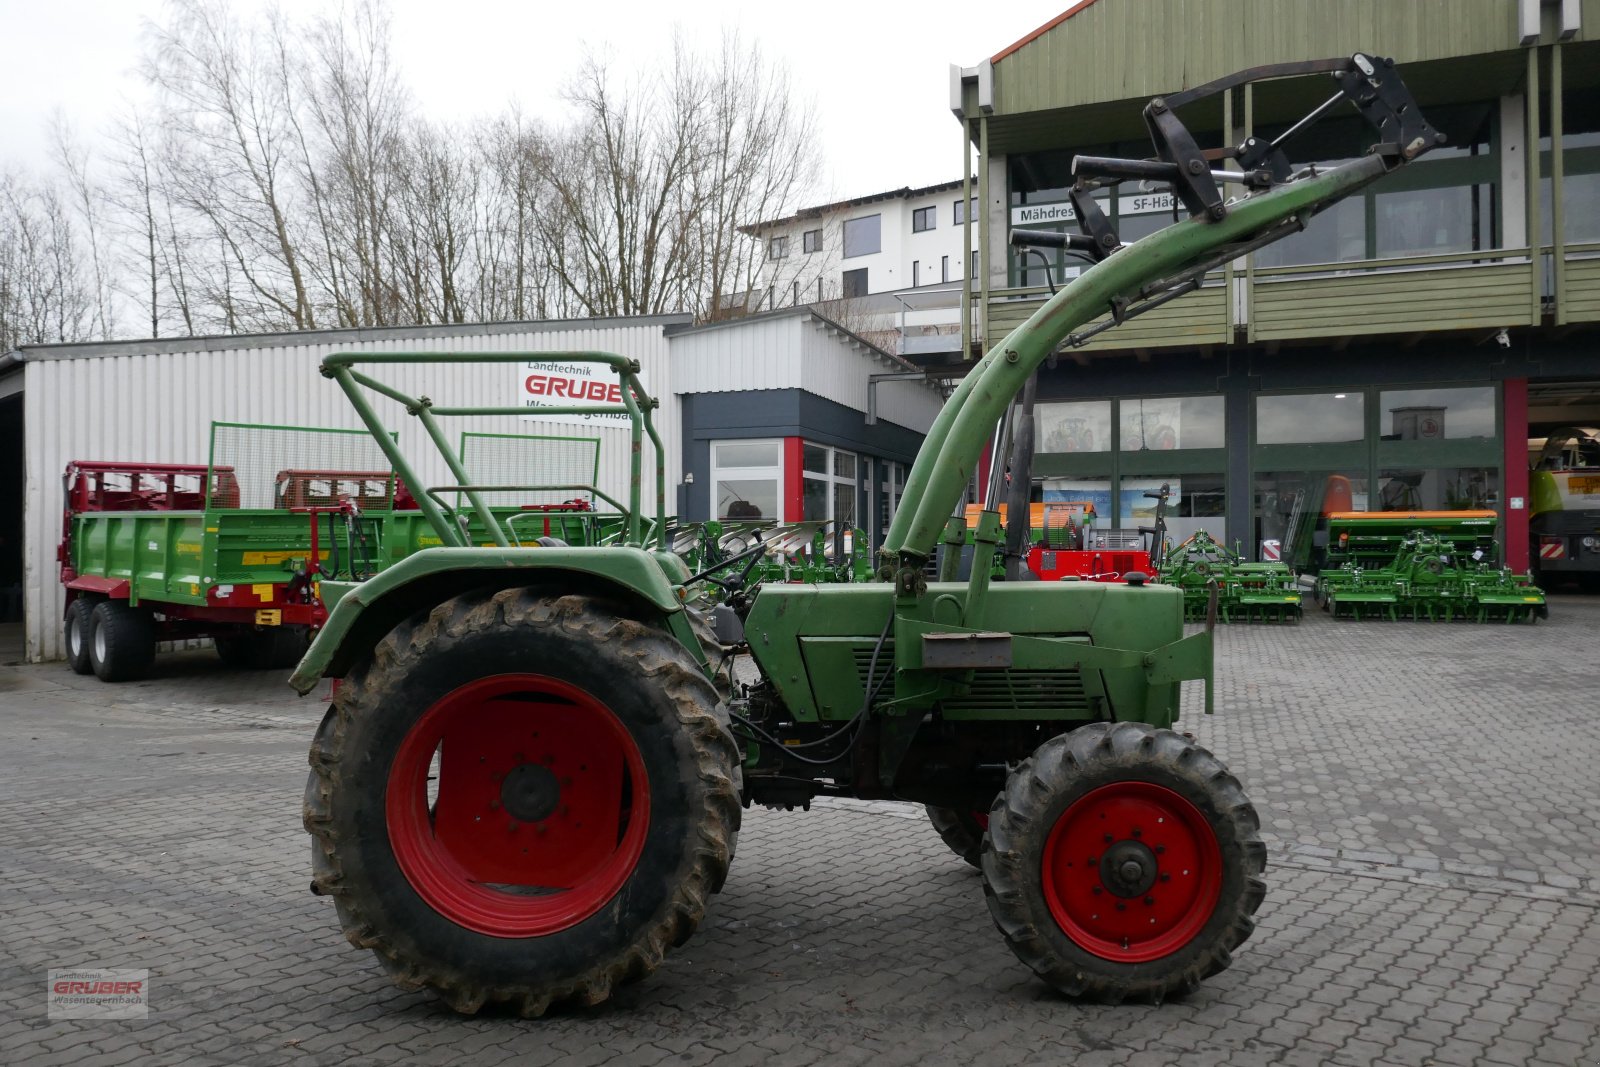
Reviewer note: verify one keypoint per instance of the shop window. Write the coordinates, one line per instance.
(1194, 502)
(1291, 506)
(891, 486)
(1159, 424)
(1437, 414)
(1438, 489)
(1094, 491)
(747, 478)
(1079, 426)
(828, 490)
(1310, 418)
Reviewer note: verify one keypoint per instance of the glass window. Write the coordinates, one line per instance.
(1437, 414)
(1423, 222)
(924, 218)
(1194, 502)
(958, 212)
(1095, 492)
(824, 495)
(1079, 426)
(1310, 418)
(1290, 508)
(863, 236)
(1160, 424)
(1438, 488)
(778, 248)
(811, 241)
(1336, 235)
(747, 498)
(746, 476)
(747, 453)
(854, 283)
(1580, 207)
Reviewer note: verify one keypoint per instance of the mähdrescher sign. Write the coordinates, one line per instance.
(559, 385)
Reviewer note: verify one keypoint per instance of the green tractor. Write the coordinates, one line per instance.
(529, 783)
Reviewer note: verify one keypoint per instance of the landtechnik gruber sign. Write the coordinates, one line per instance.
(559, 385)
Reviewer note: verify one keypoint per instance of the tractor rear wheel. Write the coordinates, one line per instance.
(75, 631)
(1124, 863)
(962, 831)
(521, 800)
(122, 641)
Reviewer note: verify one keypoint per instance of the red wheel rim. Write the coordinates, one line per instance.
(1132, 871)
(539, 812)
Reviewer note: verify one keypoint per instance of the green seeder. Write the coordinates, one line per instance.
(1245, 592)
(1435, 565)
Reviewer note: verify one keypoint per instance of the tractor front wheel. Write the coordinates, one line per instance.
(521, 800)
(1125, 863)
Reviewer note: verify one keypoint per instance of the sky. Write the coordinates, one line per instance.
(878, 73)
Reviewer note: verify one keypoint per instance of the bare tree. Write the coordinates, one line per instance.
(228, 109)
(44, 295)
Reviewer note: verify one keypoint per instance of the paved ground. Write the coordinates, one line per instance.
(1431, 795)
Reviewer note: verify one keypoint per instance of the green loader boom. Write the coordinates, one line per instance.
(531, 777)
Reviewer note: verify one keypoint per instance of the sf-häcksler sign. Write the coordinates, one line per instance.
(560, 385)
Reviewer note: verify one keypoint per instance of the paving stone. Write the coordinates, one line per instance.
(157, 825)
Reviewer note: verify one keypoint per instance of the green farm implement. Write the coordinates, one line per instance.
(1434, 565)
(1244, 591)
(529, 782)
(233, 550)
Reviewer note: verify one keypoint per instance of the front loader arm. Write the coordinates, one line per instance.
(1153, 269)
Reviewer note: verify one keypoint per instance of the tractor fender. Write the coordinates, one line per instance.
(361, 614)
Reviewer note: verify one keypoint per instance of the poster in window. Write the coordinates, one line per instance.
(1083, 426)
(1152, 425)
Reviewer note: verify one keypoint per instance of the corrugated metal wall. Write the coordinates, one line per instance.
(158, 406)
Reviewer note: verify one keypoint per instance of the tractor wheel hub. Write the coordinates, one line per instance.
(1128, 869)
(530, 792)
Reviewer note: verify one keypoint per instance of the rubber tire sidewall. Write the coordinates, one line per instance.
(389, 903)
(130, 641)
(79, 614)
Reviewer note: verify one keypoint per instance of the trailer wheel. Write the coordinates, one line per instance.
(122, 641)
(76, 627)
(962, 831)
(521, 800)
(1125, 863)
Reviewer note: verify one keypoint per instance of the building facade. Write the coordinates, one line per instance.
(1399, 353)
(889, 264)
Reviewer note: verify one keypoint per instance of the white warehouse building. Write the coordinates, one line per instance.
(771, 410)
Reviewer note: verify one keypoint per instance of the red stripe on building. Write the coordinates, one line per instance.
(1514, 394)
(794, 497)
